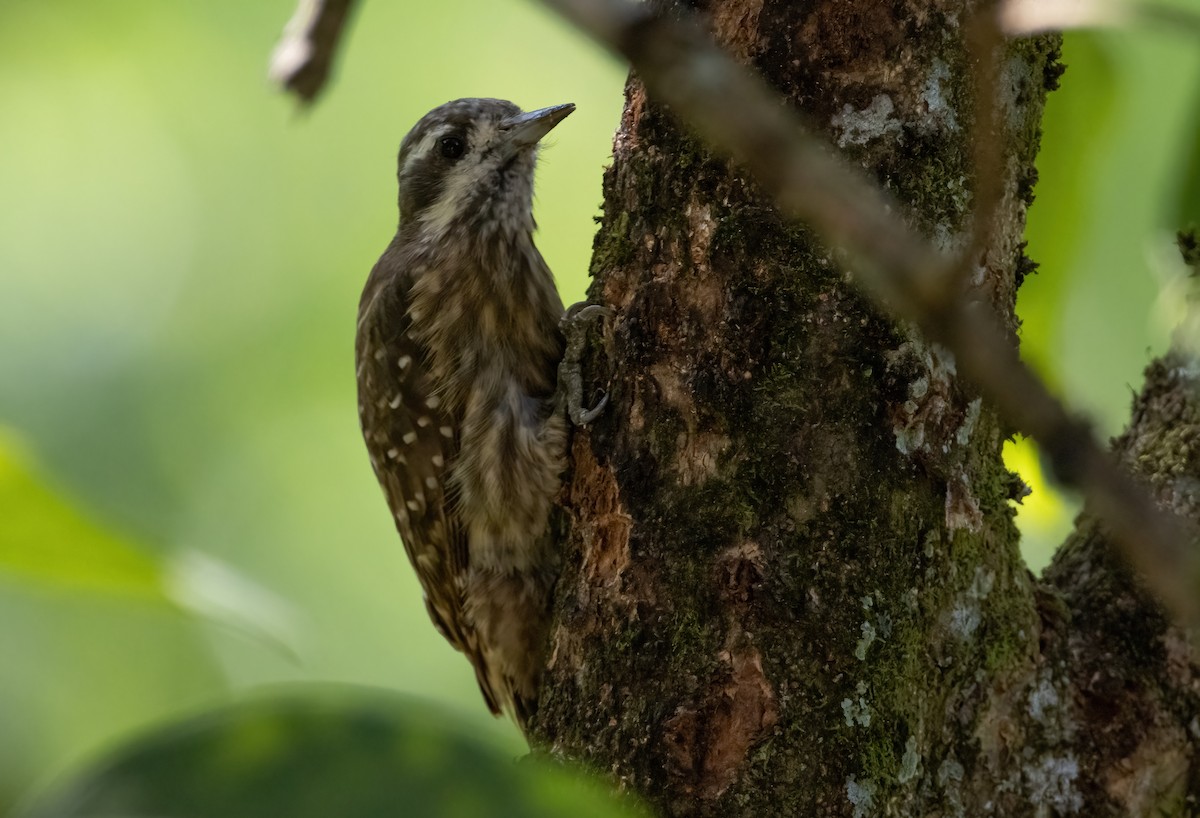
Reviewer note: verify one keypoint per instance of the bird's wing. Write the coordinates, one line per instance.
(411, 442)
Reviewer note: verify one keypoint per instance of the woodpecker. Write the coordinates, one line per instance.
(457, 351)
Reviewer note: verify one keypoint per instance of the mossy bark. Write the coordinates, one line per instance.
(793, 583)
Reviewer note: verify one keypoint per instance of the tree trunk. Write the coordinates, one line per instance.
(793, 583)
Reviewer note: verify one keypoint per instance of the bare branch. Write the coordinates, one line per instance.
(302, 60)
(736, 112)
(1033, 16)
(984, 41)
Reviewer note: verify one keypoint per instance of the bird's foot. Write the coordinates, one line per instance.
(575, 325)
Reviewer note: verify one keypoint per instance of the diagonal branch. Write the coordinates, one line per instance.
(738, 113)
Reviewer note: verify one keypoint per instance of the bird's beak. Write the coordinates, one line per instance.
(526, 130)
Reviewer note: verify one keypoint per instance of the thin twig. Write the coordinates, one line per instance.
(302, 60)
(736, 112)
(983, 41)
(1023, 17)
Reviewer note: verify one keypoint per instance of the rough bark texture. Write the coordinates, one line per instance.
(1125, 686)
(794, 584)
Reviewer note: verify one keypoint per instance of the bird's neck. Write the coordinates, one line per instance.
(472, 211)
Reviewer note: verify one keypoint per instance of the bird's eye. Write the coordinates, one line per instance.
(452, 147)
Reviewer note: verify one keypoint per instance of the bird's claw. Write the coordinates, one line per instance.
(574, 327)
(584, 310)
(581, 416)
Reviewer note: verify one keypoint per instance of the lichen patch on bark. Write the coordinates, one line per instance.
(860, 127)
(962, 509)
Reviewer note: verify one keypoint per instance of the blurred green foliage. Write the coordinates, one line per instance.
(185, 507)
(182, 257)
(1116, 145)
(45, 542)
(93, 643)
(318, 753)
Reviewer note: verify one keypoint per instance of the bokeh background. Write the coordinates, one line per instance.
(186, 510)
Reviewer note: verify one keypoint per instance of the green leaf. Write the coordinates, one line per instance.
(47, 543)
(317, 752)
(43, 540)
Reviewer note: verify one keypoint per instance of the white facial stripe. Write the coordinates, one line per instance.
(424, 147)
(461, 179)
(459, 183)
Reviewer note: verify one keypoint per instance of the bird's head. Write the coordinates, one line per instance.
(468, 164)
